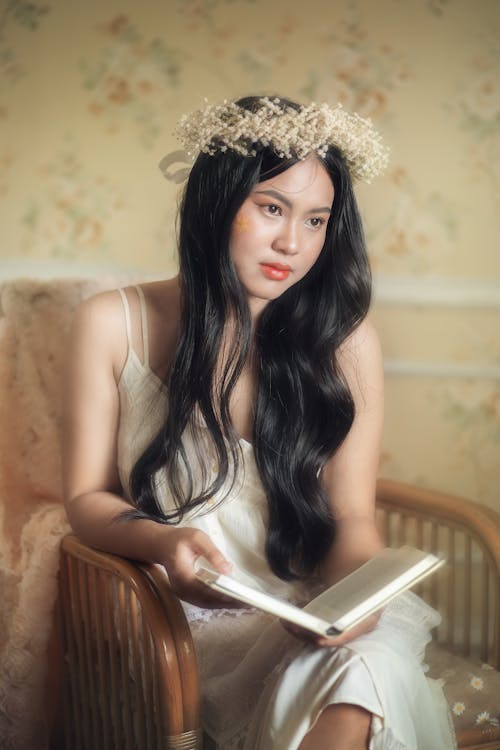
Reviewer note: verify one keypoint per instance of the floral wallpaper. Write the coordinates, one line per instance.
(89, 96)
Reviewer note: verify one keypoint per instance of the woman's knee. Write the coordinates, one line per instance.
(342, 726)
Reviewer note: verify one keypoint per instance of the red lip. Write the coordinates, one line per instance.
(275, 271)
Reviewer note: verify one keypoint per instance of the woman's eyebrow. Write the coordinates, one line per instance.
(278, 196)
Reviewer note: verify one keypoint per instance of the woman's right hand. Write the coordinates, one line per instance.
(178, 549)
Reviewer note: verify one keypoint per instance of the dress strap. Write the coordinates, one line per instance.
(126, 309)
(144, 324)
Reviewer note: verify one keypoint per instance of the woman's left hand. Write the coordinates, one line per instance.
(338, 640)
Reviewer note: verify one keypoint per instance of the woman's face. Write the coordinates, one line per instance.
(279, 231)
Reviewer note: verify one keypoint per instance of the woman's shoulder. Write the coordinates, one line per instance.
(92, 311)
(98, 331)
(360, 357)
(162, 300)
(163, 322)
(363, 340)
(162, 297)
(101, 321)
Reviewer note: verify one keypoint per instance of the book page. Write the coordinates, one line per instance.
(372, 586)
(344, 604)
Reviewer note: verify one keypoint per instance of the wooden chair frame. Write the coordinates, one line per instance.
(130, 677)
(466, 591)
(479, 528)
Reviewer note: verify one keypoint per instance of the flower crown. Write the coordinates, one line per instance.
(287, 131)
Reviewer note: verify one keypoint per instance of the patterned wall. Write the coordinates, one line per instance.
(90, 93)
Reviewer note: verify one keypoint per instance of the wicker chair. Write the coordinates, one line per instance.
(465, 654)
(129, 676)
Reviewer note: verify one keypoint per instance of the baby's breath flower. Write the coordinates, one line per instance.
(309, 130)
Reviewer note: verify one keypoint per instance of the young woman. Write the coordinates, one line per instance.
(235, 412)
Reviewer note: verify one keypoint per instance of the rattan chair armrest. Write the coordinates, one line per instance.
(471, 517)
(164, 619)
(185, 650)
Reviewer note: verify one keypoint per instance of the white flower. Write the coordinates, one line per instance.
(310, 129)
(458, 708)
(477, 683)
(483, 717)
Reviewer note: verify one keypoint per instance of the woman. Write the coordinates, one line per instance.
(238, 408)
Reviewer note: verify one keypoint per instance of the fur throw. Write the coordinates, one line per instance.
(34, 319)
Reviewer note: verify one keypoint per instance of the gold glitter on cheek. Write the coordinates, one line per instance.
(241, 224)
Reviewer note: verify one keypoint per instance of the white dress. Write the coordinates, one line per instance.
(261, 688)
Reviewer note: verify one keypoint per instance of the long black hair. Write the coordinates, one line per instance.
(304, 408)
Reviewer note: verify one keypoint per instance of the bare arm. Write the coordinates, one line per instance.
(349, 478)
(96, 352)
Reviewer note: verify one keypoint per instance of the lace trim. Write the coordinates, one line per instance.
(197, 614)
(409, 614)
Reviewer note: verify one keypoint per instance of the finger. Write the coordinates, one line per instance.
(216, 598)
(200, 595)
(349, 635)
(328, 642)
(207, 549)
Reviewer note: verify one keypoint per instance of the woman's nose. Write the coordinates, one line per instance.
(286, 241)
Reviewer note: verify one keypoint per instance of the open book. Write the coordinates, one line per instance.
(347, 602)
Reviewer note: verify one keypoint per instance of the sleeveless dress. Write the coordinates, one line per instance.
(262, 689)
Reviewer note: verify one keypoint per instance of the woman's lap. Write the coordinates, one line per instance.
(261, 683)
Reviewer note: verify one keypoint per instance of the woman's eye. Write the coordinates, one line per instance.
(316, 222)
(273, 209)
